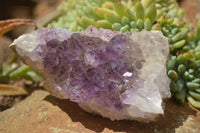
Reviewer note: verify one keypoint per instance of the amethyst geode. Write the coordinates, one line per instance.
(119, 76)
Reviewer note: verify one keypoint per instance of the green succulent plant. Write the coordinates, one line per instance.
(183, 67)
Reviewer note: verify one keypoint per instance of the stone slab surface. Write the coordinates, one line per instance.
(43, 113)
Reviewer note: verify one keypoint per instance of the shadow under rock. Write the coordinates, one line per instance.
(174, 117)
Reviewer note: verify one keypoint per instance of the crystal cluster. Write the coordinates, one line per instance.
(167, 16)
(117, 75)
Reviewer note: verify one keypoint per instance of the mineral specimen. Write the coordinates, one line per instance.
(117, 75)
(166, 16)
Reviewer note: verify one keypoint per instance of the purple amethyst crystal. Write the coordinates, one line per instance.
(95, 68)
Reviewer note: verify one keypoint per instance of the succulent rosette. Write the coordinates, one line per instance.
(117, 75)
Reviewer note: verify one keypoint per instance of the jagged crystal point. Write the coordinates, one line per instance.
(117, 75)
